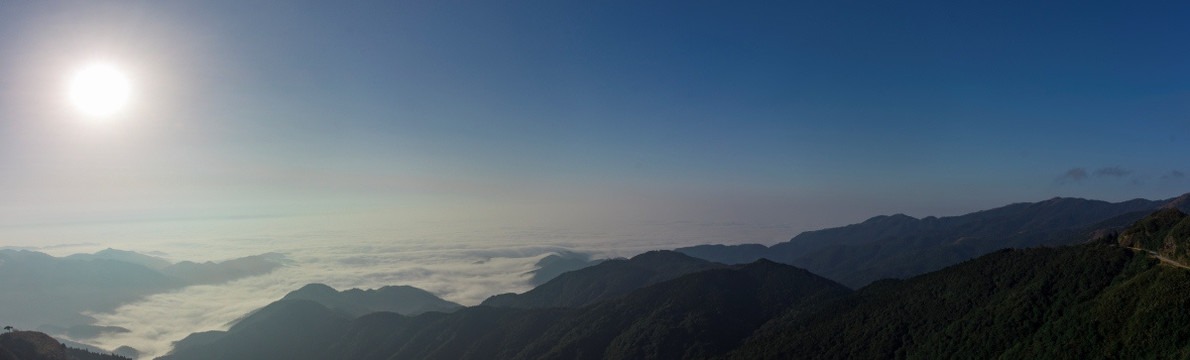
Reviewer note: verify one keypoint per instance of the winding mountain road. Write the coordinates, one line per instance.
(1162, 258)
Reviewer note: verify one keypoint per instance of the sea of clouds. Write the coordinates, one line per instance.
(460, 262)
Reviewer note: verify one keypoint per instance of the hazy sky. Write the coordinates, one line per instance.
(805, 113)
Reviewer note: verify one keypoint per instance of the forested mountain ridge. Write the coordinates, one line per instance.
(1166, 233)
(1096, 300)
(901, 246)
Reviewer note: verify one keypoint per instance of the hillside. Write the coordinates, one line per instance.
(1166, 232)
(901, 246)
(32, 345)
(1088, 301)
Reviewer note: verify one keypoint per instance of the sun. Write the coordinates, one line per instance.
(99, 90)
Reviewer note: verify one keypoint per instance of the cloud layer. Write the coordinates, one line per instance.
(464, 263)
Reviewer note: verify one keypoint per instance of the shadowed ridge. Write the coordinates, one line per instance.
(698, 315)
(604, 281)
(286, 329)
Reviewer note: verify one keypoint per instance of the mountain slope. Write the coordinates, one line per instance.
(288, 329)
(695, 316)
(551, 266)
(900, 246)
(604, 281)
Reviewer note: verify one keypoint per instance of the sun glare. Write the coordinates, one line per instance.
(99, 90)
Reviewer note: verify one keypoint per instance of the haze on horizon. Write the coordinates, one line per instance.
(788, 117)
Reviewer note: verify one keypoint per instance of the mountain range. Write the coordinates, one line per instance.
(900, 246)
(1092, 300)
(704, 312)
(1058, 278)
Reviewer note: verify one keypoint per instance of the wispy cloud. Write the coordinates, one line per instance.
(1113, 171)
(1073, 175)
(1081, 174)
(1173, 175)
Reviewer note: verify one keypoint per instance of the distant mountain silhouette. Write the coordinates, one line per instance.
(900, 246)
(701, 314)
(214, 273)
(131, 257)
(604, 281)
(405, 300)
(39, 291)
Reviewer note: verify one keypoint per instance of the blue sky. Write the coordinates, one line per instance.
(801, 113)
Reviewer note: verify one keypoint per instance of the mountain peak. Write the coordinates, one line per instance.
(889, 219)
(401, 299)
(314, 289)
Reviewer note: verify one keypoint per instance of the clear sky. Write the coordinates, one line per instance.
(805, 113)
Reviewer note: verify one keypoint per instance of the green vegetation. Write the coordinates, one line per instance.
(1166, 232)
(33, 345)
(1090, 301)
